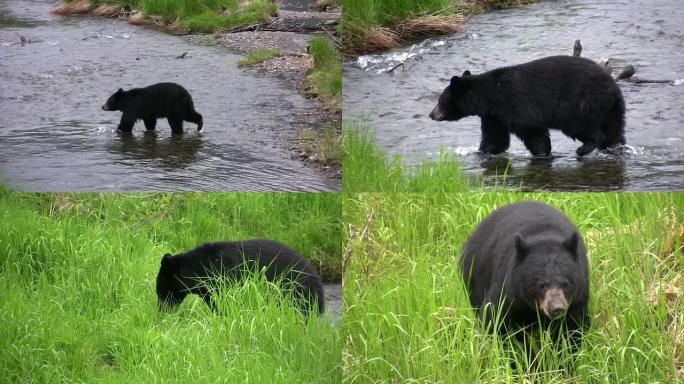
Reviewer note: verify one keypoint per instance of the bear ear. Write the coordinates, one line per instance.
(119, 91)
(166, 259)
(455, 81)
(466, 73)
(521, 247)
(572, 242)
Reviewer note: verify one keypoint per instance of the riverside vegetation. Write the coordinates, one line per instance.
(378, 25)
(368, 168)
(78, 299)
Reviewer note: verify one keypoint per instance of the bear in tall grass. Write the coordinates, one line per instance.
(160, 100)
(527, 263)
(199, 271)
(572, 94)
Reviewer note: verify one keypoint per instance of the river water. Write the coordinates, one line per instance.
(643, 33)
(54, 136)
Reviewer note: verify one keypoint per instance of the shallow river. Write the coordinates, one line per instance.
(54, 136)
(646, 34)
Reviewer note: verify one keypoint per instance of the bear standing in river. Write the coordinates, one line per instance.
(198, 270)
(168, 100)
(568, 93)
(529, 261)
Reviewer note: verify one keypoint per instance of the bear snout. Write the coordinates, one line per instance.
(436, 114)
(104, 107)
(553, 303)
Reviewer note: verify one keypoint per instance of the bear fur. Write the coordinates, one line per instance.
(530, 259)
(167, 100)
(193, 272)
(572, 94)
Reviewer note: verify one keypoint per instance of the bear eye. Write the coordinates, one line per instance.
(542, 285)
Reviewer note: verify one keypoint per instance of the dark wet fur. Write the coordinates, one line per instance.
(194, 271)
(572, 94)
(515, 256)
(162, 100)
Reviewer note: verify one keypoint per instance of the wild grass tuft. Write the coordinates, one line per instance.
(258, 56)
(196, 15)
(325, 77)
(368, 168)
(369, 25)
(408, 318)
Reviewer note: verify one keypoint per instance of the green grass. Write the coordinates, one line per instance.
(408, 318)
(326, 76)
(258, 56)
(368, 168)
(201, 15)
(78, 301)
(211, 21)
(361, 16)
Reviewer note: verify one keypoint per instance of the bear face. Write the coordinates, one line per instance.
(169, 288)
(112, 103)
(454, 103)
(545, 274)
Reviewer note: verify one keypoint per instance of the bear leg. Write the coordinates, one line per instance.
(496, 137)
(577, 321)
(127, 122)
(539, 144)
(150, 123)
(613, 126)
(176, 124)
(586, 148)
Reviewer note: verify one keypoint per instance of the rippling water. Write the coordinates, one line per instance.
(54, 136)
(648, 35)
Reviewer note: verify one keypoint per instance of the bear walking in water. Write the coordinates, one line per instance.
(568, 93)
(197, 271)
(168, 100)
(528, 262)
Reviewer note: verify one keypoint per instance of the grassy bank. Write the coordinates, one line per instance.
(190, 15)
(325, 78)
(377, 25)
(408, 319)
(368, 168)
(78, 303)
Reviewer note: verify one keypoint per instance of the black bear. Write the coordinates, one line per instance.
(529, 261)
(168, 100)
(195, 271)
(572, 94)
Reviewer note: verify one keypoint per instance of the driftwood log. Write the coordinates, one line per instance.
(624, 75)
(291, 24)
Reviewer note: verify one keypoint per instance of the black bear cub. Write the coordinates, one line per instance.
(572, 94)
(529, 261)
(168, 100)
(195, 270)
